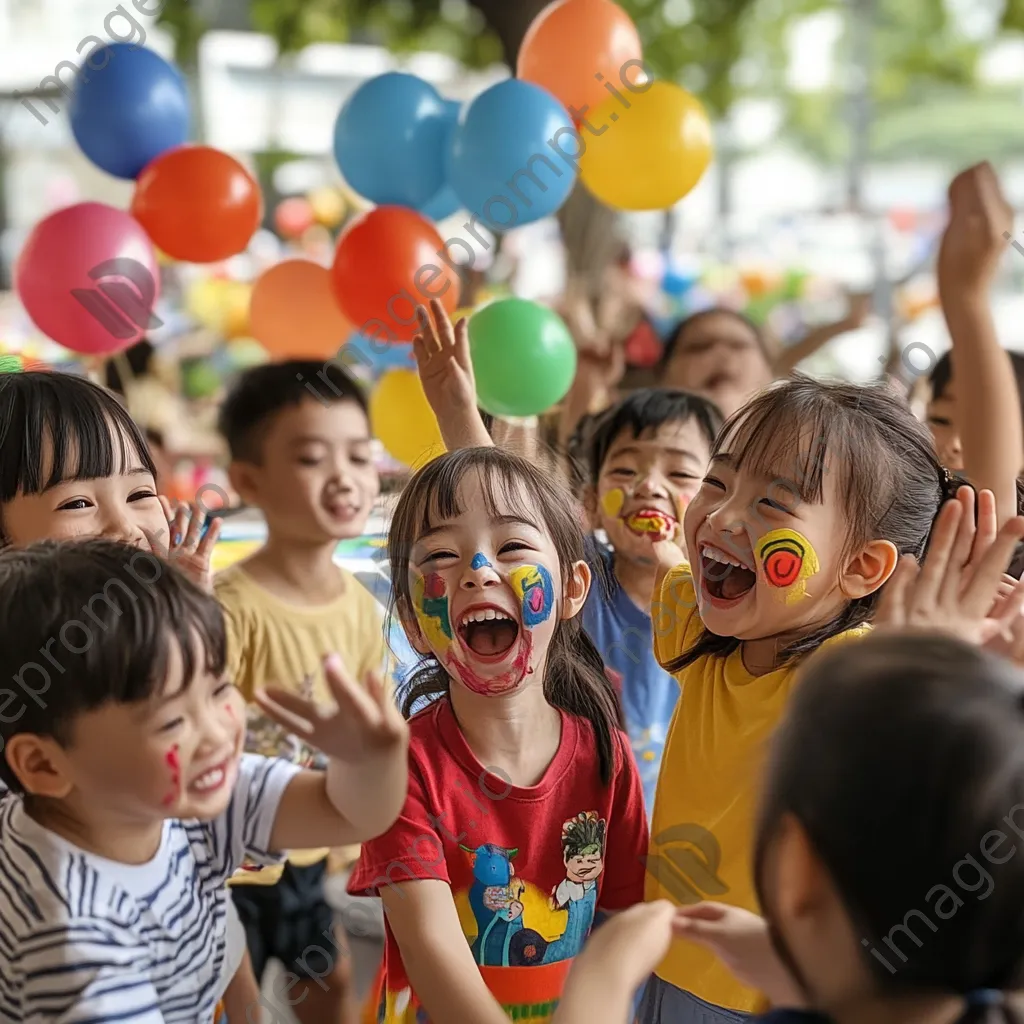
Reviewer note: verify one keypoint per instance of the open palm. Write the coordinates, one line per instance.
(442, 358)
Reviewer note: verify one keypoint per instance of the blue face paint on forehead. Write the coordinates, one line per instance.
(480, 562)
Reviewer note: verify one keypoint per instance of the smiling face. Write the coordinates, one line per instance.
(584, 866)
(719, 356)
(486, 591)
(315, 481)
(646, 483)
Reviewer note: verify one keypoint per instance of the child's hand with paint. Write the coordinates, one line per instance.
(446, 372)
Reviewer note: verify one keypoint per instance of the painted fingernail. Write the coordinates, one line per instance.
(177, 539)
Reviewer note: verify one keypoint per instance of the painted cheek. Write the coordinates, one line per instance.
(612, 501)
(788, 560)
(533, 586)
(430, 603)
(173, 763)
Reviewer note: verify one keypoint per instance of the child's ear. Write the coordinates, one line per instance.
(869, 569)
(413, 633)
(244, 481)
(590, 505)
(574, 593)
(39, 764)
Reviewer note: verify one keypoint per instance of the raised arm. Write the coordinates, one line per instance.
(988, 416)
(436, 956)
(791, 357)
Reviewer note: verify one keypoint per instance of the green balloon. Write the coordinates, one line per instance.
(523, 357)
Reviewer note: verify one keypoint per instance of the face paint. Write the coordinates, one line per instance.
(480, 562)
(430, 604)
(172, 762)
(532, 585)
(649, 522)
(612, 502)
(787, 561)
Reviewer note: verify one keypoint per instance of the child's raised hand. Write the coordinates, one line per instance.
(185, 544)
(364, 725)
(959, 588)
(442, 358)
(741, 941)
(980, 218)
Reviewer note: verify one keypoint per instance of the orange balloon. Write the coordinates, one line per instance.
(198, 204)
(574, 48)
(294, 312)
(388, 262)
(293, 216)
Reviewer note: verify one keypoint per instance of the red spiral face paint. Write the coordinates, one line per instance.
(173, 763)
(787, 561)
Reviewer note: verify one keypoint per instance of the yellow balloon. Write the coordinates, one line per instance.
(402, 419)
(328, 206)
(651, 155)
(205, 302)
(235, 310)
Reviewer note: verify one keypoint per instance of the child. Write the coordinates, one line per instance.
(525, 813)
(644, 459)
(875, 917)
(304, 459)
(813, 492)
(130, 802)
(725, 356)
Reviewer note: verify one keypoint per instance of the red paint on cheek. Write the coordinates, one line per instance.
(174, 765)
(433, 586)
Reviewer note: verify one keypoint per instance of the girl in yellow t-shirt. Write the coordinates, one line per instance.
(813, 492)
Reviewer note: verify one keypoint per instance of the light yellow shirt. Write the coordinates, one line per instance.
(274, 643)
(702, 832)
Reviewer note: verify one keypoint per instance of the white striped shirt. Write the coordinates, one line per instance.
(85, 940)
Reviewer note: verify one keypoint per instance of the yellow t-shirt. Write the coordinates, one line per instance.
(702, 832)
(274, 643)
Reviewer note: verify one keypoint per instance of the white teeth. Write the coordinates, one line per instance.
(485, 615)
(209, 780)
(717, 556)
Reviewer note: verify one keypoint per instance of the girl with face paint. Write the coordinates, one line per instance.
(519, 770)
(874, 914)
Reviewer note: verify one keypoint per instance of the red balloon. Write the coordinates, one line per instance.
(387, 263)
(294, 216)
(198, 204)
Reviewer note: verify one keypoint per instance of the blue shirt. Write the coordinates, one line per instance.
(622, 634)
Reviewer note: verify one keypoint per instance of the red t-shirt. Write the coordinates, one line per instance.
(527, 867)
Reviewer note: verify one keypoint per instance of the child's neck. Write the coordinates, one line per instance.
(108, 835)
(296, 572)
(636, 579)
(518, 733)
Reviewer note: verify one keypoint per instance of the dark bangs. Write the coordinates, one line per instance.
(56, 427)
(92, 622)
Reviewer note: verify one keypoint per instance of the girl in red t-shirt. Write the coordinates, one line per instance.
(525, 812)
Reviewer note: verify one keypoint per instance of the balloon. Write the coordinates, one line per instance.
(501, 165)
(649, 156)
(374, 357)
(401, 418)
(523, 357)
(204, 302)
(575, 47)
(328, 206)
(389, 138)
(198, 204)
(678, 282)
(130, 111)
(293, 216)
(88, 278)
(385, 265)
(445, 202)
(237, 296)
(294, 312)
(245, 352)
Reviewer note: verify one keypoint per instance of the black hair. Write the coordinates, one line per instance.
(942, 373)
(91, 622)
(56, 427)
(640, 412)
(917, 748)
(575, 679)
(263, 391)
(697, 318)
(884, 464)
(139, 358)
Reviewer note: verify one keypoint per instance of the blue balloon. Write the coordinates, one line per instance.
(505, 163)
(389, 140)
(446, 202)
(678, 282)
(130, 111)
(374, 356)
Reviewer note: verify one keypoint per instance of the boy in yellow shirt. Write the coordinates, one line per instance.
(304, 459)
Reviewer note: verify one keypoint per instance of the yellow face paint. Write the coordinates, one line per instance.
(787, 561)
(612, 502)
(430, 603)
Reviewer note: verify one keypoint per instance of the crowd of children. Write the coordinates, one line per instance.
(734, 731)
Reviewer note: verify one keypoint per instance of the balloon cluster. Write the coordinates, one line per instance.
(88, 274)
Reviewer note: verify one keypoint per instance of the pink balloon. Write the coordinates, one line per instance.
(88, 278)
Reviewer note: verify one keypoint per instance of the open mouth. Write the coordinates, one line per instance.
(212, 780)
(652, 521)
(488, 632)
(725, 578)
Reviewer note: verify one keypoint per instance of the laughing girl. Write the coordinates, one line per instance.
(525, 812)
